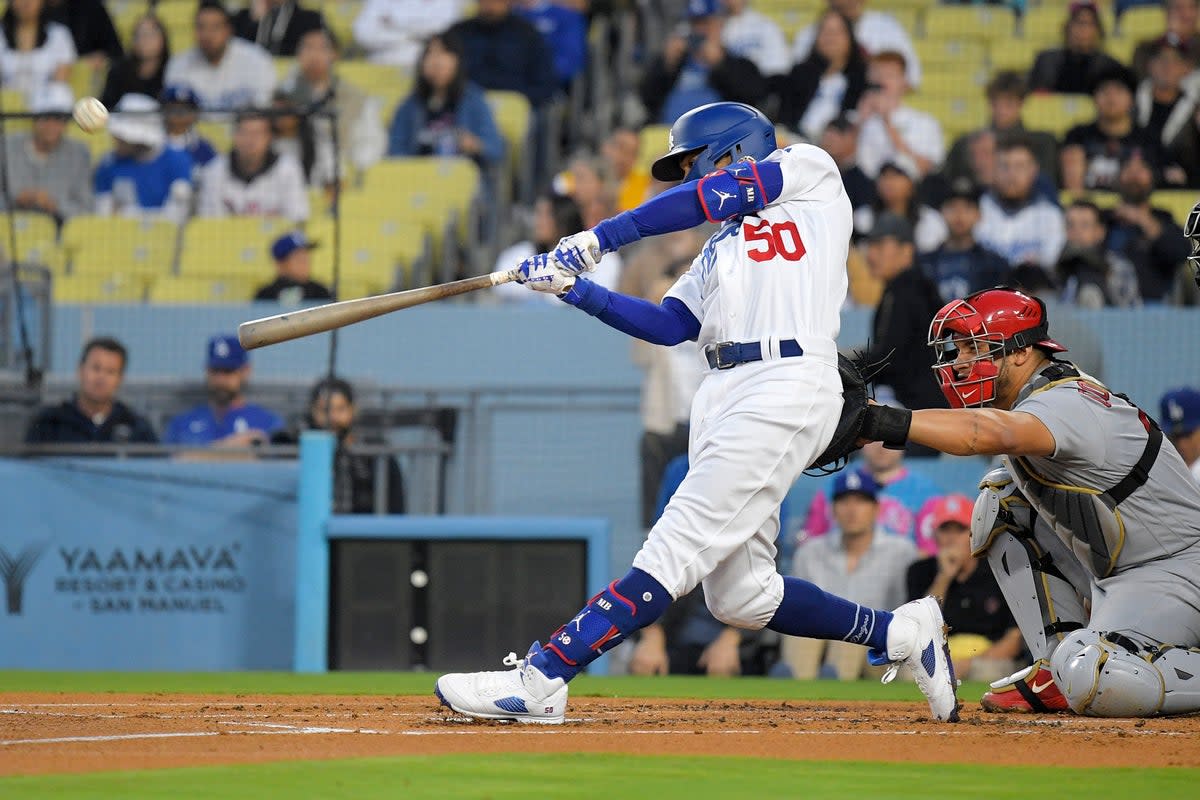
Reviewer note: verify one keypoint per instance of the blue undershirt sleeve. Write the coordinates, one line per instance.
(666, 324)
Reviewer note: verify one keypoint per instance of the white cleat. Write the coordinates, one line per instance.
(917, 637)
(523, 694)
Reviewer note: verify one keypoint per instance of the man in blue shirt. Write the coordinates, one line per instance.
(226, 420)
(142, 175)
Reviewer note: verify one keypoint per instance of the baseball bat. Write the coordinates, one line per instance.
(318, 319)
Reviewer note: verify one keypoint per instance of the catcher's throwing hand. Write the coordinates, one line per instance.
(543, 274)
(579, 252)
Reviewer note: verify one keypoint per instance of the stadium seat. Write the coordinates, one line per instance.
(283, 67)
(1015, 54)
(942, 80)
(339, 17)
(98, 144)
(1044, 24)
(1179, 203)
(114, 288)
(387, 83)
(179, 18)
(1141, 22)
(37, 239)
(1057, 113)
(653, 143)
(966, 51)
(989, 22)
(125, 14)
(85, 80)
(103, 245)
(13, 101)
(223, 246)
(957, 113)
(216, 289)
(380, 253)
(218, 129)
(1101, 199)
(1121, 48)
(513, 117)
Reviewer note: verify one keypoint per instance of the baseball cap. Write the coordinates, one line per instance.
(703, 8)
(180, 93)
(1116, 73)
(855, 482)
(226, 352)
(1180, 411)
(55, 99)
(289, 243)
(963, 188)
(951, 508)
(891, 225)
(902, 164)
(135, 121)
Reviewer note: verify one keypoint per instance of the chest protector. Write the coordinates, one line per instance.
(1087, 518)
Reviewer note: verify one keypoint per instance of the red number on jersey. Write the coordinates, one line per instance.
(1094, 393)
(767, 241)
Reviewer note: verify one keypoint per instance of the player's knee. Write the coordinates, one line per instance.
(999, 509)
(748, 611)
(1100, 677)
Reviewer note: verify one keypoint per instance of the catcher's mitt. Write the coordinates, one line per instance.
(855, 373)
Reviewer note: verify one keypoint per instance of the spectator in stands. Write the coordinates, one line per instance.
(293, 282)
(1023, 226)
(142, 176)
(142, 71)
(48, 172)
(749, 34)
(961, 265)
(564, 30)
(857, 561)
(1166, 100)
(828, 83)
(252, 180)
(1092, 276)
(34, 51)
(93, 413)
(394, 31)
(554, 216)
(900, 327)
(903, 492)
(292, 136)
(694, 68)
(226, 72)
(446, 114)
(1074, 67)
(313, 85)
(897, 193)
(1180, 419)
(620, 151)
(840, 140)
(984, 640)
(1148, 237)
(1006, 94)
(1091, 154)
(276, 25)
(92, 31)
(505, 52)
(181, 109)
(226, 420)
(887, 127)
(1181, 21)
(876, 31)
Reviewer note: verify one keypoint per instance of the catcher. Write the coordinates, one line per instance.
(1092, 527)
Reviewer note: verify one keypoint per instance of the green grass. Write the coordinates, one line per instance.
(605, 776)
(409, 683)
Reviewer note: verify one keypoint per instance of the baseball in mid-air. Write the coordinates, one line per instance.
(90, 114)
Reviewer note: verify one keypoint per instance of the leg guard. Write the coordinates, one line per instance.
(1112, 675)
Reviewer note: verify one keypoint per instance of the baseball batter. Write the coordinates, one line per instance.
(762, 299)
(1092, 527)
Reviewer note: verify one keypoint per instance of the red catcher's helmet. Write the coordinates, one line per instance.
(992, 323)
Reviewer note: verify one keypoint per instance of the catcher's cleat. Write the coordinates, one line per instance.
(522, 694)
(1030, 691)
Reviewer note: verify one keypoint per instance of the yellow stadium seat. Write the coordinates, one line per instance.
(125, 14)
(984, 22)
(283, 67)
(37, 239)
(1044, 25)
(218, 129)
(431, 191)
(103, 245)
(1101, 199)
(98, 144)
(1057, 113)
(1121, 48)
(890, 6)
(224, 246)
(963, 51)
(1015, 54)
(941, 80)
(512, 113)
(957, 113)
(1142, 22)
(200, 290)
(652, 143)
(115, 288)
(387, 83)
(1179, 203)
(381, 252)
(84, 80)
(352, 290)
(339, 17)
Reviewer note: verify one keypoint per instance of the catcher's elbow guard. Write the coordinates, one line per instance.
(888, 425)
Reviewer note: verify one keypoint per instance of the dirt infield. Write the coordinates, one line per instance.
(82, 733)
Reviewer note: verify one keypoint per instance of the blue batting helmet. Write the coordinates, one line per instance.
(714, 131)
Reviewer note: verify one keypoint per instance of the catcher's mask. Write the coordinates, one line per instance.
(985, 326)
(1191, 232)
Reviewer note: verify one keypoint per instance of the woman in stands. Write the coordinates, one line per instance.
(33, 50)
(1072, 68)
(831, 80)
(141, 71)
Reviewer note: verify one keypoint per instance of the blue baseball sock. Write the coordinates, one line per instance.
(807, 610)
(626, 605)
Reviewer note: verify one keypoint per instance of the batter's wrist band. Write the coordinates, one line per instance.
(888, 425)
(587, 296)
(616, 232)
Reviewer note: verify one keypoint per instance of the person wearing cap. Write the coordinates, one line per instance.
(48, 172)
(1015, 220)
(857, 561)
(142, 175)
(984, 640)
(293, 283)
(227, 73)
(252, 180)
(901, 321)
(141, 70)
(1179, 412)
(181, 110)
(1181, 23)
(1147, 236)
(961, 265)
(1167, 97)
(896, 189)
(1073, 68)
(887, 127)
(876, 32)
(226, 419)
(694, 68)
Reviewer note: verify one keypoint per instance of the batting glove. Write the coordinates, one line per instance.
(578, 253)
(543, 274)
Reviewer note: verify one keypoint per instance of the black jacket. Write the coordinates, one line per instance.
(797, 89)
(354, 478)
(310, 290)
(1155, 260)
(735, 79)
(509, 55)
(284, 40)
(90, 25)
(123, 79)
(899, 334)
(66, 424)
(1065, 72)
